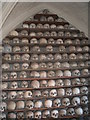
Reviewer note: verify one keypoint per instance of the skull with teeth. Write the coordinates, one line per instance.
(12, 95)
(50, 57)
(38, 104)
(37, 93)
(59, 82)
(4, 85)
(67, 73)
(65, 101)
(51, 41)
(57, 56)
(42, 57)
(29, 104)
(25, 66)
(72, 56)
(48, 103)
(4, 95)
(43, 74)
(38, 114)
(45, 93)
(3, 106)
(59, 73)
(53, 93)
(49, 65)
(62, 48)
(62, 112)
(34, 57)
(59, 41)
(51, 83)
(76, 91)
(34, 74)
(35, 84)
(33, 40)
(13, 75)
(11, 105)
(14, 85)
(22, 74)
(83, 81)
(4, 76)
(54, 113)
(84, 90)
(61, 92)
(70, 111)
(51, 74)
(25, 49)
(34, 65)
(57, 102)
(28, 94)
(24, 84)
(7, 57)
(20, 105)
(25, 57)
(46, 114)
(76, 81)
(43, 41)
(67, 82)
(85, 110)
(43, 83)
(84, 100)
(20, 94)
(79, 111)
(16, 66)
(65, 56)
(85, 72)
(49, 48)
(76, 73)
(20, 115)
(57, 65)
(16, 57)
(69, 91)
(29, 115)
(75, 101)
(16, 49)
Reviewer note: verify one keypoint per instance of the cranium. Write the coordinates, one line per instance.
(67, 82)
(25, 66)
(48, 103)
(23, 74)
(84, 41)
(59, 19)
(83, 81)
(73, 64)
(75, 73)
(51, 83)
(62, 48)
(46, 114)
(71, 48)
(87, 63)
(47, 33)
(43, 74)
(67, 73)
(78, 49)
(37, 93)
(49, 65)
(25, 57)
(59, 41)
(20, 94)
(67, 34)
(3, 95)
(62, 112)
(35, 84)
(53, 33)
(50, 57)
(20, 105)
(74, 34)
(53, 93)
(85, 72)
(59, 73)
(49, 48)
(11, 105)
(4, 85)
(65, 101)
(51, 41)
(51, 74)
(13, 33)
(32, 34)
(65, 64)
(65, 56)
(24, 32)
(24, 84)
(69, 91)
(53, 26)
(72, 56)
(12, 95)
(7, 57)
(77, 41)
(46, 26)
(76, 81)
(50, 18)
(60, 34)
(29, 104)
(38, 104)
(57, 56)
(86, 56)
(36, 49)
(16, 57)
(79, 111)
(34, 65)
(85, 110)
(54, 113)
(29, 115)
(12, 116)
(68, 41)
(59, 82)
(60, 27)
(32, 25)
(42, 57)
(25, 40)
(84, 100)
(82, 34)
(75, 101)
(5, 76)
(13, 75)
(33, 41)
(70, 111)
(3, 106)
(28, 94)
(14, 85)
(20, 115)
(43, 41)
(43, 18)
(76, 91)
(16, 49)
(45, 93)
(39, 34)
(7, 49)
(25, 25)
(79, 56)
(34, 57)
(16, 66)
(42, 65)
(39, 25)
(84, 90)
(43, 83)
(34, 74)
(86, 48)
(57, 65)
(61, 92)
(57, 102)
(6, 41)
(5, 66)
(38, 114)
(25, 49)
(81, 64)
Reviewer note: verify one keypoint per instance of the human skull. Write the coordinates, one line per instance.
(43, 41)
(3, 106)
(65, 101)
(24, 84)
(84, 100)
(62, 48)
(12, 95)
(16, 57)
(25, 57)
(33, 41)
(79, 56)
(62, 112)
(12, 116)
(68, 41)
(46, 26)
(25, 40)
(57, 65)
(57, 102)
(72, 56)
(78, 49)
(13, 75)
(50, 18)
(71, 48)
(83, 81)
(48, 103)
(4, 85)
(34, 74)
(34, 57)
(5, 66)
(53, 26)
(38, 104)
(67, 34)
(20, 105)
(42, 65)
(7, 57)
(60, 34)
(39, 25)
(28, 94)
(57, 56)
(67, 82)
(54, 113)
(67, 73)
(75, 101)
(32, 34)
(81, 64)
(43, 74)
(51, 41)
(29, 104)
(69, 91)
(85, 48)
(77, 41)
(25, 49)
(74, 34)
(5, 76)
(59, 82)
(73, 64)
(53, 93)
(34, 65)
(65, 56)
(29, 115)
(85, 72)
(25, 25)
(76, 91)
(87, 63)
(35, 84)
(70, 111)
(61, 92)
(13, 33)
(16, 49)
(75, 73)
(59, 41)
(51, 74)
(76, 81)
(50, 57)
(39, 34)
(85, 110)
(46, 114)
(32, 25)
(43, 83)
(49, 48)
(37, 93)
(65, 65)
(14, 85)
(79, 111)
(84, 90)
(6, 41)
(51, 83)
(53, 33)
(3, 95)
(25, 66)
(38, 114)
(60, 27)
(11, 105)
(24, 32)
(20, 115)
(47, 33)
(20, 94)
(59, 73)
(42, 57)
(86, 56)
(23, 74)
(16, 66)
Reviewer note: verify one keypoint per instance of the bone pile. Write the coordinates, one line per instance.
(45, 70)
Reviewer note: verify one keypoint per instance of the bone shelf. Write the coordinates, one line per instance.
(46, 69)
(40, 88)
(48, 97)
(63, 77)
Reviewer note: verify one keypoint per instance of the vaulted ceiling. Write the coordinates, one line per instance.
(13, 13)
